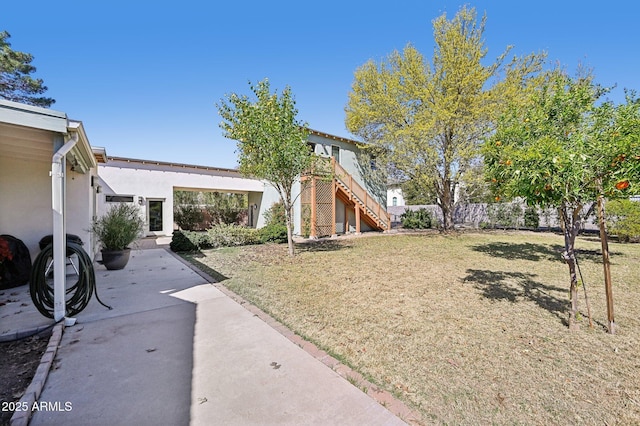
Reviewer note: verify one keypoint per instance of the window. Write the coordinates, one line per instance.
(119, 198)
(335, 153)
(394, 201)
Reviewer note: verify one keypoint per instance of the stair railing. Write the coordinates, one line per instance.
(360, 195)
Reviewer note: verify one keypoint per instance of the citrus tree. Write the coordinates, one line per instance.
(557, 147)
(272, 142)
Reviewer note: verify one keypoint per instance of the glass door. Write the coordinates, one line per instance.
(155, 215)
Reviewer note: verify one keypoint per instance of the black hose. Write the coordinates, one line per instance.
(77, 296)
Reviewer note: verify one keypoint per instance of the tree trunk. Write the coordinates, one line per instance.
(446, 205)
(288, 212)
(570, 231)
(447, 214)
(573, 290)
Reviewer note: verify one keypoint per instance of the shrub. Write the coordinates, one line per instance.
(623, 219)
(187, 216)
(189, 241)
(276, 215)
(275, 230)
(505, 215)
(226, 208)
(119, 227)
(224, 235)
(531, 218)
(416, 219)
(306, 221)
(273, 233)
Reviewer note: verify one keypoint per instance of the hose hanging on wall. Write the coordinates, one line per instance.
(77, 296)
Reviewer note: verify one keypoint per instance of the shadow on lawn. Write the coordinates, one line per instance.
(322, 245)
(536, 252)
(517, 286)
(521, 251)
(193, 259)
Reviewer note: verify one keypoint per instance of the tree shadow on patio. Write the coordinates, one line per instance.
(517, 286)
(521, 251)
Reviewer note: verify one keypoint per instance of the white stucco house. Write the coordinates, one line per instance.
(394, 195)
(151, 185)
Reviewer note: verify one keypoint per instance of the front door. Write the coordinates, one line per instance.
(155, 215)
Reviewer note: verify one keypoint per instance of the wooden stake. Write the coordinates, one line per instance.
(607, 267)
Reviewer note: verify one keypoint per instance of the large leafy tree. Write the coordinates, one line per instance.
(272, 142)
(430, 117)
(16, 83)
(558, 148)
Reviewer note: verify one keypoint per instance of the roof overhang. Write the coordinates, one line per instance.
(100, 154)
(34, 117)
(81, 156)
(334, 137)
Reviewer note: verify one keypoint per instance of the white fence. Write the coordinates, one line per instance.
(478, 215)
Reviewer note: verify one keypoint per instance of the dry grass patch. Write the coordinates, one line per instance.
(467, 328)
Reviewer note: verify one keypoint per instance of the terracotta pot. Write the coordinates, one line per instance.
(115, 259)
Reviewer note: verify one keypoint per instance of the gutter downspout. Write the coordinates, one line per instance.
(58, 196)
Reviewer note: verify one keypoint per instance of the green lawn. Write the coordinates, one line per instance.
(467, 328)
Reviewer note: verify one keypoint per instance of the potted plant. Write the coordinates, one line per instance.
(116, 230)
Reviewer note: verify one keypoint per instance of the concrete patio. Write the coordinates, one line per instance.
(176, 349)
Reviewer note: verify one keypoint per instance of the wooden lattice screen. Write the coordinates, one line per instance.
(324, 206)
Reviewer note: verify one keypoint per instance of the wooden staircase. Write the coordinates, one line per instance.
(353, 195)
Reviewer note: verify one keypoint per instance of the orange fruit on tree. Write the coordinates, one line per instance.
(623, 184)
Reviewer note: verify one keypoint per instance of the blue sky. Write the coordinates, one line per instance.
(145, 76)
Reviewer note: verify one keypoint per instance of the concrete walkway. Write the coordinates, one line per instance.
(176, 350)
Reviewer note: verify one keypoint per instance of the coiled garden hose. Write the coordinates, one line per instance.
(77, 296)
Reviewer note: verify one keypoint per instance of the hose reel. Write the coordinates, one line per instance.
(78, 295)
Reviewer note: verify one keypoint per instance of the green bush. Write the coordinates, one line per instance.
(224, 235)
(505, 215)
(623, 219)
(189, 241)
(306, 220)
(119, 227)
(416, 219)
(226, 208)
(275, 230)
(276, 215)
(531, 218)
(188, 216)
(221, 235)
(273, 233)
